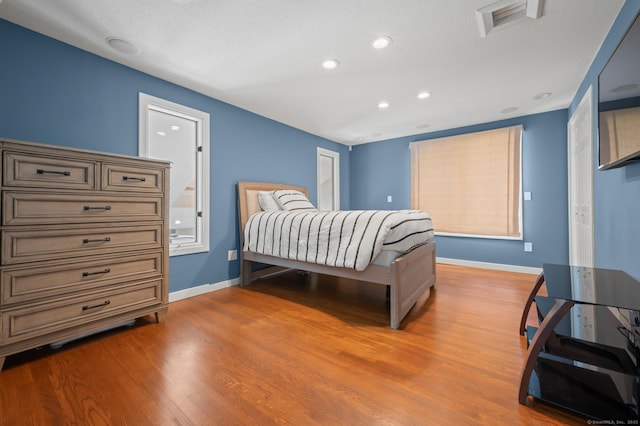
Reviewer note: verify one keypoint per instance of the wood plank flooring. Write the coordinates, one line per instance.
(295, 350)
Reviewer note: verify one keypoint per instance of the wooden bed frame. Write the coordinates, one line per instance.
(408, 277)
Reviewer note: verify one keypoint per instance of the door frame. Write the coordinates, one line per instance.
(335, 156)
(580, 181)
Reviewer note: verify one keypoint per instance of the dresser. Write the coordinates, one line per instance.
(84, 242)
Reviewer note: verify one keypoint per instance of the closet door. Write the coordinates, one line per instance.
(581, 247)
(328, 163)
(580, 145)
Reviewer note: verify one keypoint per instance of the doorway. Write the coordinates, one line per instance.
(328, 164)
(580, 143)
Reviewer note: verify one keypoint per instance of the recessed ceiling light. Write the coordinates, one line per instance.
(159, 133)
(381, 42)
(330, 64)
(423, 95)
(122, 46)
(508, 110)
(543, 95)
(625, 87)
(383, 105)
(175, 128)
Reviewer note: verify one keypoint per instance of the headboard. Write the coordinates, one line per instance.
(248, 198)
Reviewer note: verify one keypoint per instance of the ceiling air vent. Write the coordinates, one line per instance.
(506, 11)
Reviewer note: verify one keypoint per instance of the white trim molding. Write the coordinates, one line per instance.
(208, 288)
(148, 104)
(201, 289)
(335, 176)
(486, 265)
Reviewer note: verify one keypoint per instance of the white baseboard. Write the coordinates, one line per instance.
(487, 265)
(201, 289)
(207, 288)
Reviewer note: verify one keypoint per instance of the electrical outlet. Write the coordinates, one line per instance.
(528, 246)
(527, 196)
(232, 255)
(389, 198)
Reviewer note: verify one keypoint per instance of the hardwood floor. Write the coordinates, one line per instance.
(297, 350)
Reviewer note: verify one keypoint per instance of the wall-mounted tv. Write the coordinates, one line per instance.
(619, 103)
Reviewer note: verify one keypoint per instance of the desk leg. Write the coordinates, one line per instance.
(552, 319)
(527, 305)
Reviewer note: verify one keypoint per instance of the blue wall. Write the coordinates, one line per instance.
(616, 191)
(56, 94)
(383, 168)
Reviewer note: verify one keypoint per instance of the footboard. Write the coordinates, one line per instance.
(411, 276)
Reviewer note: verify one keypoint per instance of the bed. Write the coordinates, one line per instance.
(409, 276)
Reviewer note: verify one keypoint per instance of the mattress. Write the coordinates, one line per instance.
(349, 239)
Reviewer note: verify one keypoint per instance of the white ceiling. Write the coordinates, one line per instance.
(265, 56)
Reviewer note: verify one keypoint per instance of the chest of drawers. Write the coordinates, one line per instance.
(83, 242)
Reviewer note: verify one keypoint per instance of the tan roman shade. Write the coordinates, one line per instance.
(470, 184)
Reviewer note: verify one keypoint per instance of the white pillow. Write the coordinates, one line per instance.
(267, 202)
(289, 199)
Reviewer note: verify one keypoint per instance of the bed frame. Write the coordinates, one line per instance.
(408, 277)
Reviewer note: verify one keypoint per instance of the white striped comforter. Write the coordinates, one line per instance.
(349, 239)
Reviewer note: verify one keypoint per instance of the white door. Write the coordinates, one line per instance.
(328, 180)
(580, 146)
(581, 250)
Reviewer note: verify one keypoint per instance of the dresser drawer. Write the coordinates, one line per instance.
(48, 243)
(132, 179)
(26, 208)
(31, 170)
(38, 319)
(26, 284)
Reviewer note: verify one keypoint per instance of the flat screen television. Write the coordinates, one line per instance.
(619, 103)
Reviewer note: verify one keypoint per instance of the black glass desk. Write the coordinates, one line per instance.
(584, 354)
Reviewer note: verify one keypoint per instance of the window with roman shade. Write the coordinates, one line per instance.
(470, 184)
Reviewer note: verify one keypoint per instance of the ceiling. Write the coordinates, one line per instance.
(265, 56)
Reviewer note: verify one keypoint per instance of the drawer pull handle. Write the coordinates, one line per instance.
(106, 271)
(141, 179)
(52, 172)
(87, 208)
(103, 240)
(86, 307)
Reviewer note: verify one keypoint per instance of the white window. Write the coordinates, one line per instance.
(180, 134)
